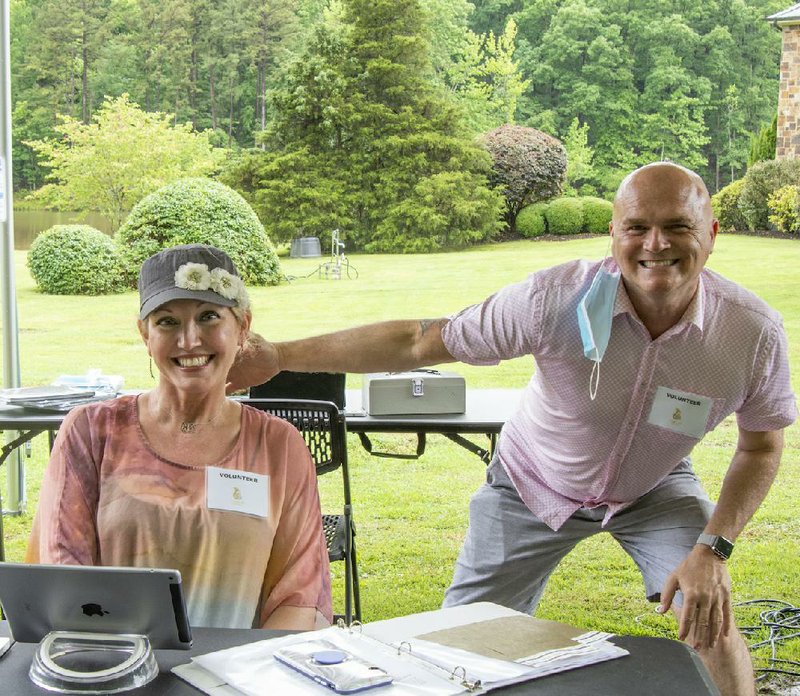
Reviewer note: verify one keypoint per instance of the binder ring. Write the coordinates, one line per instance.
(459, 670)
(459, 674)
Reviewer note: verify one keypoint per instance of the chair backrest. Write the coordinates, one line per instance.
(316, 386)
(320, 423)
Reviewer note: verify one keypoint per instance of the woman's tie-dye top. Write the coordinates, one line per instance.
(109, 499)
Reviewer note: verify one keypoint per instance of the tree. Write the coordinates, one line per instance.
(580, 67)
(124, 154)
(579, 159)
(268, 39)
(364, 141)
(732, 156)
(28, 123)
(480, 72)
(686, 80)
(502, 71)
(69, 35)
(528, 164)
(762, 145)
(673, 99)
(162, 31)
(649, 79)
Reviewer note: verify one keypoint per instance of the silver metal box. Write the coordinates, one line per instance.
(418, 391)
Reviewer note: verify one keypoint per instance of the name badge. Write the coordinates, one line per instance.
(681, 412)
(237, 491)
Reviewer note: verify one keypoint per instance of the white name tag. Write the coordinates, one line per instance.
(237, 491)
(681, 412)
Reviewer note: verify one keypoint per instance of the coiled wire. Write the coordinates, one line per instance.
(781, 621)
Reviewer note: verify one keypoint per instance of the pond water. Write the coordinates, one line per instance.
(29, 223)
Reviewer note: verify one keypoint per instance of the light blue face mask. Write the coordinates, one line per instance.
(595, 314)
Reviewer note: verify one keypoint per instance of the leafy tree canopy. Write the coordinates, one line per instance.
(688, 81)
(580, 172)
(124, 154)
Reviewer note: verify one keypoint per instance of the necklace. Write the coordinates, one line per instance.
(189, 427)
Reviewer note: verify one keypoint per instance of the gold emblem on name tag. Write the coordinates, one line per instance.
(677, 416)
(237, 494)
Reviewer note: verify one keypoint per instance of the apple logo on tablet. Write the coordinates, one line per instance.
(92, 609)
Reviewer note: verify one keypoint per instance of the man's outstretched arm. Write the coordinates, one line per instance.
(390, 346)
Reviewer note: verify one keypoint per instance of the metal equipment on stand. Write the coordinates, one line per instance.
(339, 264)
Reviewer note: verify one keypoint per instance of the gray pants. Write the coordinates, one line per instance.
(509, 554)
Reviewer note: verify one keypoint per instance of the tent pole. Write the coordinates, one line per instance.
(8, 303)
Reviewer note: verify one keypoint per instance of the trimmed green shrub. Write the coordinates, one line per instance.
(75, 260)
(198, 211)
(784, 205)
(726, 207)
(564, 216)
(761, 180)
(530, 220)
(596, 214)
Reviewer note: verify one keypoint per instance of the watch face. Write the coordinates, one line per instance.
(722, 547)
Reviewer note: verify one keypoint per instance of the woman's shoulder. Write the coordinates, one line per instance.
(121, 407)
(261, 425)
(257, 421)
(261, 418)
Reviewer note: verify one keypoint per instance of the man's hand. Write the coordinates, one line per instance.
(256, 363)
(706, 585)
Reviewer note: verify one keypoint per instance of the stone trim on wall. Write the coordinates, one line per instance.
(788, 137)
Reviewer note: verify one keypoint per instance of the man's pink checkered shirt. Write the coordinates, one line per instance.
(564, 451)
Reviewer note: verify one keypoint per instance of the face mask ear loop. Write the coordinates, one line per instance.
(594, 380)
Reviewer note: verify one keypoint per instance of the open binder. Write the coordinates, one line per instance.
(469, 649)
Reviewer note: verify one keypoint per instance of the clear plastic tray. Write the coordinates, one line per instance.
(92, 663)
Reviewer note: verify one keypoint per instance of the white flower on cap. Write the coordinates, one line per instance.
(193, 276)
(226, 284)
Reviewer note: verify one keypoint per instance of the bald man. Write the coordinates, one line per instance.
(638, 356)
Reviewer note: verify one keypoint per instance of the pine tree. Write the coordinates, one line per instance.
(361, 120)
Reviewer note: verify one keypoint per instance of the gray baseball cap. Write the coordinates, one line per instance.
(189, 272)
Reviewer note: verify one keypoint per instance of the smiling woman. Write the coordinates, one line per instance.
(181, 477)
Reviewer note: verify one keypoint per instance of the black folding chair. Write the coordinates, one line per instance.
(323, 428)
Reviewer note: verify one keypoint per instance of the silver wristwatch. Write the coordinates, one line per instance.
(719, 544)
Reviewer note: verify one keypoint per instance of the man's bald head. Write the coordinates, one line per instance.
(660, 178)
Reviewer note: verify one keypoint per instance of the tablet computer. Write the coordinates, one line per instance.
(37, 599)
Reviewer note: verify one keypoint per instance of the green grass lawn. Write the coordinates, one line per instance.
(412, 516)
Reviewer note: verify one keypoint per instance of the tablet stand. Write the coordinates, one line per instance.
(92, 663)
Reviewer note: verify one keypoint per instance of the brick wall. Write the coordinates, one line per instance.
(788, 140)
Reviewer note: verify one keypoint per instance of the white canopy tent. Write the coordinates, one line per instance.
(8, 299)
